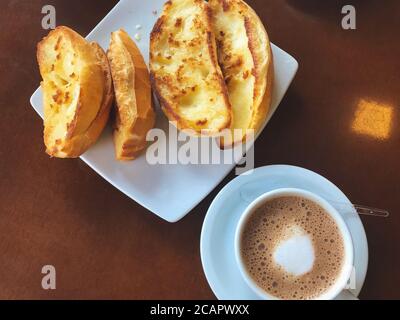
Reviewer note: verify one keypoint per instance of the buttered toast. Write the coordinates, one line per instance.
(134, 110)
(77, 92)
(245, 57)
(184, 69)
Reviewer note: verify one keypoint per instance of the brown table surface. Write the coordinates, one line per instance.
(104, 245)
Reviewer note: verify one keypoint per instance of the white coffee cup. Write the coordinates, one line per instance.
(340, 284)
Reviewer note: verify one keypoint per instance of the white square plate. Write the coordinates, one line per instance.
(170, 191)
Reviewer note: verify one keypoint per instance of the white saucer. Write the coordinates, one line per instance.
(217, 237)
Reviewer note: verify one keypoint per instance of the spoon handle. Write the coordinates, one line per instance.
(367, 211)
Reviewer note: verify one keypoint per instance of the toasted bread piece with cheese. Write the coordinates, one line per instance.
(77, 92)
(134, 109)
(245, 57)
(184, 68)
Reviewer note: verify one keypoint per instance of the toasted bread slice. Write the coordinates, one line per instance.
(245, 57)
(77, 91)
(134, 110)
(184, 68)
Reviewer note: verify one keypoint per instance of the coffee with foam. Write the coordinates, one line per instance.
(292, 248)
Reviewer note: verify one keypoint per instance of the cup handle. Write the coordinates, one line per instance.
(346, 295)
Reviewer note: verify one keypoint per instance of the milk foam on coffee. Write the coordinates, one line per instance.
(295, 255)
(292, 248)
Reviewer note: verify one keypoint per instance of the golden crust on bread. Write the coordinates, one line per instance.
(77, 92)
(245, 57)
(184, 68)
(134, 110)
